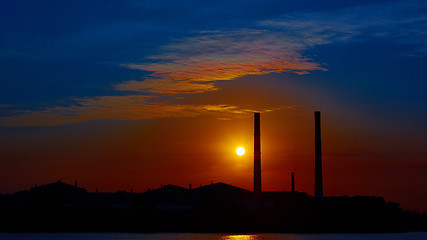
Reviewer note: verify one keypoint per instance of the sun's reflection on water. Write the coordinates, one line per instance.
(242, 237)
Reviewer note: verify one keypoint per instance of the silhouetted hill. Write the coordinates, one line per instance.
(58, 187)
(219, 207)
(220, 189)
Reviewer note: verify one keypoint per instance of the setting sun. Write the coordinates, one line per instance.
(240, 151)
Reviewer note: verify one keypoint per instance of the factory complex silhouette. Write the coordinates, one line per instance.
(218, 207)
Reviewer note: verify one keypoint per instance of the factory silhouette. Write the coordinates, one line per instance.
(218, 207)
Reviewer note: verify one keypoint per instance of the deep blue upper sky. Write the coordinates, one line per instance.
(60, 58)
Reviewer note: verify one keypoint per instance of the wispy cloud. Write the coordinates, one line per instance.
(192, 65)
(132, 107)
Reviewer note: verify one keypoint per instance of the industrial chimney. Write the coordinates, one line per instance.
(257, 153)
(318, 182)
(293, 182)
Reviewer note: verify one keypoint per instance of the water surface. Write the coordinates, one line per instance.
(207, 236)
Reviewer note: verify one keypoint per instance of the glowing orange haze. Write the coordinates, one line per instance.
(199, 150)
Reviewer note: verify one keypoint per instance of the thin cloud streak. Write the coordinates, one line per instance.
(133, 107)
(192, 65)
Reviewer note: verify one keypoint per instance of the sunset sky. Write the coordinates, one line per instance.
(135, 94)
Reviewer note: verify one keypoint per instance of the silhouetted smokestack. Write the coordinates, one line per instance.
(189, 186)
(293, 182)
(257, 153)
(318, 182)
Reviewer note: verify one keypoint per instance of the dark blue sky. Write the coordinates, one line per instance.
(53, 52)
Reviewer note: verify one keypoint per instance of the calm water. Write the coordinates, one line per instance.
(193, 236)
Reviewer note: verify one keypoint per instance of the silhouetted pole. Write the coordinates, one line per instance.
(293, 182)
(257, 153)
(318, 182)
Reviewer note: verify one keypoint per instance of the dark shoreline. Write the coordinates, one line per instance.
(215, 208)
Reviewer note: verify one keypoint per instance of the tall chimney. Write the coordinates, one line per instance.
(293, 182)
(318, 182)
(257, 153)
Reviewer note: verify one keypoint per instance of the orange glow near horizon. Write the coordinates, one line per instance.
(182, 151)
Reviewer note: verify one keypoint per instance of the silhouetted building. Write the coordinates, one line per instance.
(318, 180)
(169, 198)
(257, 153)
(58, 195)
(216, 207)
(111, 200)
